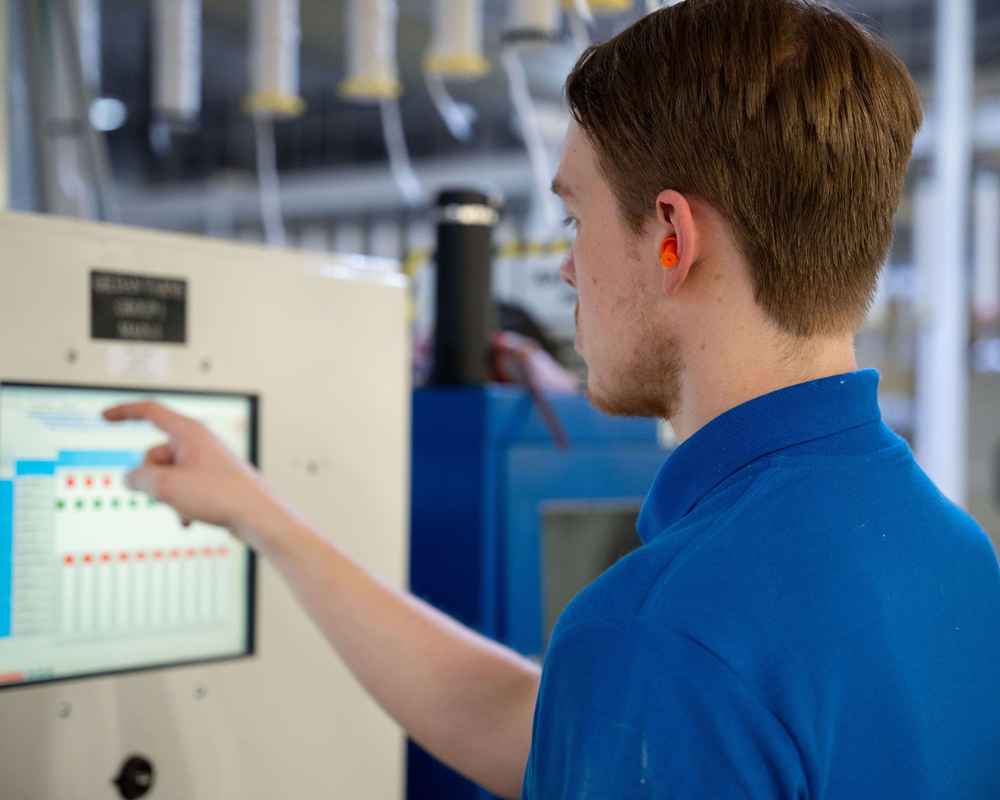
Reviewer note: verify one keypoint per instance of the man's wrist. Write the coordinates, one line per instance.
(266, 526)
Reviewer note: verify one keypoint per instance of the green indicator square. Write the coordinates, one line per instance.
(60, 504)
(115, 502)
(133, 502)
(151, 501)
(98, 504)
(79, 505)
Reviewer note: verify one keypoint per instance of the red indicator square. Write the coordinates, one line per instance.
(175, 553)
(88, 482)
(157, 554)
(207, 552)
(123, 556)
(105, 558)
(71, 481)
(192, 553)
(68, 560)
(88, 559)
(223, 551)
(106, 482)
(140, 556)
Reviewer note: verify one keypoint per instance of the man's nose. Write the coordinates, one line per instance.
(567, 271)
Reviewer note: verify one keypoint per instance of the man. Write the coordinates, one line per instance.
(808, 617)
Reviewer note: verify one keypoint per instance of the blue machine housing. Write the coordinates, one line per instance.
(483, 467)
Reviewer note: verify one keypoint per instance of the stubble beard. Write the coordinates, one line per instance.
(647, 385)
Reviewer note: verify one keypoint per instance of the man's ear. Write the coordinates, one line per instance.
(674, 217)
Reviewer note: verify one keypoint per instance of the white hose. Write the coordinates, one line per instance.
(88, 28)
(177, 57)
(535, 16)
(582, 10)
(458, 117)
(543, 202)
(267, 179)
(579, 30)
(372, 72)
(399, 158)
(457, 41)
(274, 61)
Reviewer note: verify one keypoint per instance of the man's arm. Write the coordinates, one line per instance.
(464, 698)
(467, 700)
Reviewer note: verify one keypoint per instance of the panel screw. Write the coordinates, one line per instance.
(206, 365)
(72, 356)
(200, 692)
(312, 467)
(64, 710)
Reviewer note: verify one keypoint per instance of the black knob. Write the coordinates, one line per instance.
(136, 777)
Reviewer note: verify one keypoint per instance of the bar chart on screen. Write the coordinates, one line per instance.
(143, 590)
(123, 563)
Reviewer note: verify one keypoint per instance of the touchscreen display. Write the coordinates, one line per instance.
(97, 578)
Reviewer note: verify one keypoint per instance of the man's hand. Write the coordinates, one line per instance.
(195, 474)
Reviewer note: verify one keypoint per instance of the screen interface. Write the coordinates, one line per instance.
(97, 578)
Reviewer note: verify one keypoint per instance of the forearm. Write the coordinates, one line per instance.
(464, 698)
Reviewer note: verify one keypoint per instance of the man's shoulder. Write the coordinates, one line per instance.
(624, 591)
(792, 533)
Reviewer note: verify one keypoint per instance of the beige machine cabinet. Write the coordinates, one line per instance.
(324, 347)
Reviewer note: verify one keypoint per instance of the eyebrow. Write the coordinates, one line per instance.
(560, 188)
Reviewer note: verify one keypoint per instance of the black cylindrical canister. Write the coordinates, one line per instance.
(465, 316)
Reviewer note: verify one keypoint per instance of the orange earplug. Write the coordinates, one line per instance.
(668, 251)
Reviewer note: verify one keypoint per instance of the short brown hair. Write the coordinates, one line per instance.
(786, 116)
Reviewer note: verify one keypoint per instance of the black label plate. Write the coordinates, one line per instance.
(137, 308)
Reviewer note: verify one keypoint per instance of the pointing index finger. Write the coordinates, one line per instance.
(162, 417)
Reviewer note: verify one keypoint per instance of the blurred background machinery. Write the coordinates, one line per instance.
(170, 143)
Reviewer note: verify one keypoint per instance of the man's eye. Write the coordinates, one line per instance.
(572, 223)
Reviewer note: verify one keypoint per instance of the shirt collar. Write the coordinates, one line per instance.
(759, 427)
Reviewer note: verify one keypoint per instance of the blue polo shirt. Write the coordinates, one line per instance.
(808, 617)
